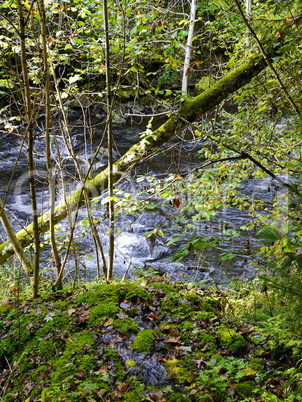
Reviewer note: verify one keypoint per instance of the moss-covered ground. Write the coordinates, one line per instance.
(140, 342)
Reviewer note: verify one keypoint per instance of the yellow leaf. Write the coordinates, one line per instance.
(160, 232)
(249, 372)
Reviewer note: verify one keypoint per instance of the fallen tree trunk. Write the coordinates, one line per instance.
(188, 112)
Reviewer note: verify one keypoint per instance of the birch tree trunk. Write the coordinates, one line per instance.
(248, 10)
(184, 87)
(187, 113)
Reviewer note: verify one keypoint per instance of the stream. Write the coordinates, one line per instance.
(133, 251)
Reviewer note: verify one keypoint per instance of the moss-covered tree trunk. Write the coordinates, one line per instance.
(188, 112)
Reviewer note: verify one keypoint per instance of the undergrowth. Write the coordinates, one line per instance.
(148, 340)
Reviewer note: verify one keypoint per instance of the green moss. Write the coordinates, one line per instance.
(233, 342)
(177, 397)
(167, 288)
(131, 292)
(113, 356)
(260, 352)
(11, 346)
(207, 338)
(187, 325)
(93, 295)
(133, 396)
(53, 324)
(247, 389)
(101, 312)
(47, 348)
(193, 298)
(125, 325)
(205, 398)
(183, 375)
(209, 304)
(78, 353)
(204, 316)
(144, 341)
(256, 364)
(133, 312)
(203, 84)
(174, 307)
(68, 368)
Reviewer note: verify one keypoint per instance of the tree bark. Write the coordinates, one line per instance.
(188, 49)
(188, 112)
(110, 145)
(22, 257)
(30, 142)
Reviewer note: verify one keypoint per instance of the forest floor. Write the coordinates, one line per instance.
(148, 340)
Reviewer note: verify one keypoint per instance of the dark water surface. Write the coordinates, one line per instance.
(133, 250)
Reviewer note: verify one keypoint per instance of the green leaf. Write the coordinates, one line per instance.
(229, 255)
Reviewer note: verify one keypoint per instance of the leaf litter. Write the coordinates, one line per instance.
(134, 342)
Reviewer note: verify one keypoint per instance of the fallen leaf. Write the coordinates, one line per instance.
(80, 374)
(250, 372)
(153, 316)
(186, 349)
(125, 305)
(122, 315)
(173, 339)
(176, 202)
(199, 362)
(155, 395)
(109, 322)
(83, 318)
(245, 330)
(64, 336)
(123, 387)
(27, 387)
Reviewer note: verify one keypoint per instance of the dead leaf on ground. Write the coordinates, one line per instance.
(64, 336)
(173, 339)
(83, 318)
(155, 395)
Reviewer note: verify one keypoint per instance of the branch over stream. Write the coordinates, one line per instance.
(188, 112)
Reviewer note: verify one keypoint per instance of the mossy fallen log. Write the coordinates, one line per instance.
(188, 112)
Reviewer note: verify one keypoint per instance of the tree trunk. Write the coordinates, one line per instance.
(110, 145)
(187, 113)
(24, 261)
(184, 87)
(48, 124)
(248, 10)
(30, 142)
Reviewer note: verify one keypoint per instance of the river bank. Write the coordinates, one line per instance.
(147, 340)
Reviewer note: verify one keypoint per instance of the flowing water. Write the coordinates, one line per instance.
(134, 252)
